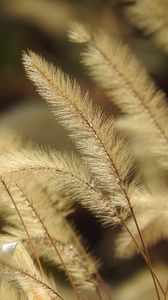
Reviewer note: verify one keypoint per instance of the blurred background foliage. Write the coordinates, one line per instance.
(42, 25)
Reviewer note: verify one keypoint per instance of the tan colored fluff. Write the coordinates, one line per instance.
(78, 33)
(39, 188)
(16, 265)
(67, 175)
(106, 150)
(46, 226)
(117, 70)
(127, 83)
(151, 16)
(150, 221)
(9, 292)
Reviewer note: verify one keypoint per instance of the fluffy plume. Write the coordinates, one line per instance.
(17, 266)
(82, 267)
(151, 16)
(63, 175)
(150, 222)
(128, 85)
(105, 150)
(46, 233)
(116, 68)
(59, 174)
(78, 33)
(39, 188)
(9, 292)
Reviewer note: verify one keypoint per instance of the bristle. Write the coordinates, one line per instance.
(151, 211)
(52, 225)
(16, 265)
(118, 71)
(10, 292)
(77, 113)
(78, 33)
(66, 175)
(121, 75)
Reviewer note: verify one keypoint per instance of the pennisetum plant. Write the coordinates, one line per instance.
(40, 187)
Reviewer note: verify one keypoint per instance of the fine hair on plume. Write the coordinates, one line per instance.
(118, 173)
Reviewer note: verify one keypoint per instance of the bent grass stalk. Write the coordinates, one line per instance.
(54, 245)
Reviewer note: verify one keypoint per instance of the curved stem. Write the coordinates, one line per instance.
(54, 246)
(25, 228)
(141, 251)
(98, 276)
(98, 293)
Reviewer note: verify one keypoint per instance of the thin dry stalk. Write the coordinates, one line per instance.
(54, 246)
(25, 228)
